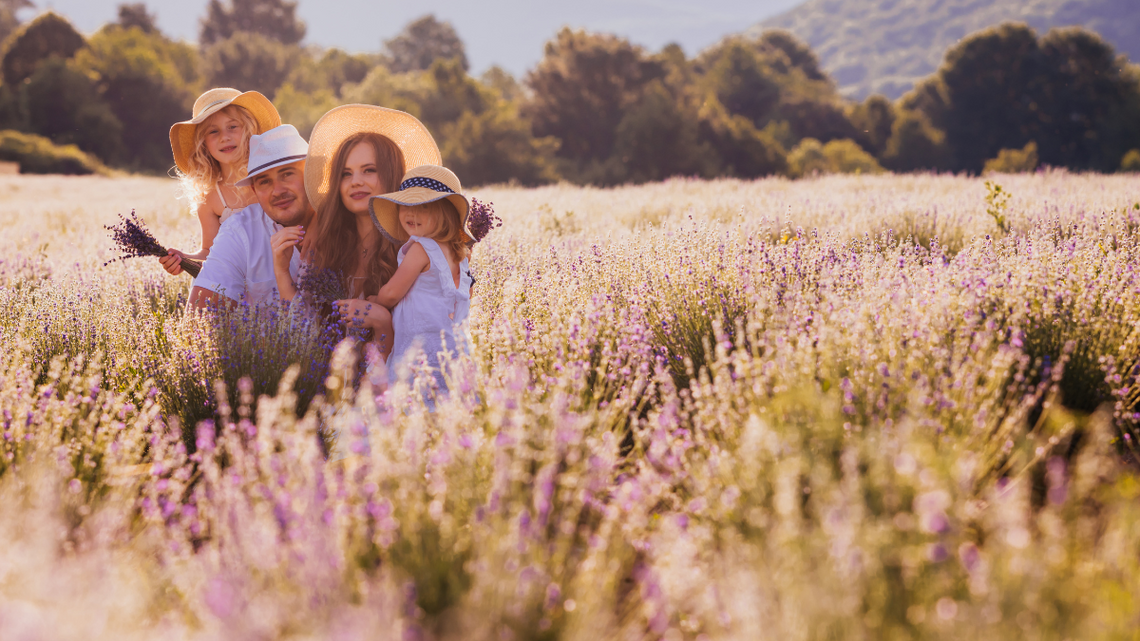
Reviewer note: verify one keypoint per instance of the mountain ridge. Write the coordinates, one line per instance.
(885, 46)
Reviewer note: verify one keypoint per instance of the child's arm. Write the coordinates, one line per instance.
(211, 223)
(416, 261)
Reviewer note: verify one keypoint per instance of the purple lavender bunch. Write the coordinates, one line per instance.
(481, 219)
(134, 240)
(321, 286)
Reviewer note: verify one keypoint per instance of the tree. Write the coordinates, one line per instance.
(496, 146)
(581, 89)
(136, 15)
(875, 119)
(249, 61)
(797, 53)
(421, 43)
(330, 72)
(916, 145)
(273, 19)
(657, 139)
(743, 82)
(836, 157)
(147, 81)
(741, 149)
(49, 35)
(9, 21)
(63, 105)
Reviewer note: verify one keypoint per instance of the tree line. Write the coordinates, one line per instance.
(596, 109)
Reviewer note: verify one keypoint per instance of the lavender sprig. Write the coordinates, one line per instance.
(481, 219)
(134, 240)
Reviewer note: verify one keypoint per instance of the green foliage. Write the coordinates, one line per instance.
(916, 145)
(741, 149)
(64, 105)
(250, 61)
(49, 35)
(273, 19)
(1014, 161)
(658, 139)
(836, 157)
(38, 155)
(495, 145)
(582, 88)
(147, 81)
(997, 205)
(303, 109)
(135, 14)
(328, 71)
(874, 119)
(9, 21)
(1131, 161)
(742, 82)
(421, 43)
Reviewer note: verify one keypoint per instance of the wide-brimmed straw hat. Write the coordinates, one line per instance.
(421, 185)
(404, 129)
(210, 103)
(278, 146)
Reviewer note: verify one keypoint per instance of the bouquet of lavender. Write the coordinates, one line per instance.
(481, 219)
(134, 240)
(321, 286)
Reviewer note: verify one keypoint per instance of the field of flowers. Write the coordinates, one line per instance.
(838, 408)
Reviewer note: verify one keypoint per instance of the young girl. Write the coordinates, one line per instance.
(211, 151)
(430, 293)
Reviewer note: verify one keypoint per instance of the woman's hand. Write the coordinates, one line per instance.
(172, 261)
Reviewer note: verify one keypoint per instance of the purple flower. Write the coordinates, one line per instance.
(134, 240)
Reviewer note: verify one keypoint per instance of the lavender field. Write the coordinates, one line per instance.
(886, 407)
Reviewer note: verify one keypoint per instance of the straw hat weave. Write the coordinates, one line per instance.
(409, 134)
(422, 185)
(210, 103)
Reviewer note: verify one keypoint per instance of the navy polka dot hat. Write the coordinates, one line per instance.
(421, 185)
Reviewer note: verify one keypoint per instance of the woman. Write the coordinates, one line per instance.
(355, 152)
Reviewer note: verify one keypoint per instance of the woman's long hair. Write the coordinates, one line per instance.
(336, 242)
(205, 172)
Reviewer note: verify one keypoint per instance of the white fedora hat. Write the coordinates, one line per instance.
(278, 146)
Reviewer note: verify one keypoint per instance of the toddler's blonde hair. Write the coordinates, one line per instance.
(205, 172)
(450, 232)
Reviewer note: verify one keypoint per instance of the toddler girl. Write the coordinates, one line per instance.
(211, 151)
(430, 293)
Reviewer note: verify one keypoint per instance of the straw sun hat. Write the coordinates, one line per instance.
(210, 103)
(409, 134)
(424, 184)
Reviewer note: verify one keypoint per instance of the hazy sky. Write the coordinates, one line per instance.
(510, 33)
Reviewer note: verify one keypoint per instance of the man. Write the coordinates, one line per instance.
(240, 264)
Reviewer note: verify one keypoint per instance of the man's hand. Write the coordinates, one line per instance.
(172, 261)
(282, 244)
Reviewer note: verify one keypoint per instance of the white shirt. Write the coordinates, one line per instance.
(240, 264)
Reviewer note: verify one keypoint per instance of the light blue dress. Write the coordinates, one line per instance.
(433, 314)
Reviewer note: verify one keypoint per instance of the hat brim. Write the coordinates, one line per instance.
(410, 135)
(182, 133)
(288, 160)
(385, 209)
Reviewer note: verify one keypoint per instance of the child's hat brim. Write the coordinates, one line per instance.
(385, 209)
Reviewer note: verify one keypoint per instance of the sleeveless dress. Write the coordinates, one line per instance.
(227, 211)
(433, 313)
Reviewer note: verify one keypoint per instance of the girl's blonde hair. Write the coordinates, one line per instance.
(205, 172)
(335, 240)
(450, 232)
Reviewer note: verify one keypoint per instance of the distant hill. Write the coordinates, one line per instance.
(884, 46)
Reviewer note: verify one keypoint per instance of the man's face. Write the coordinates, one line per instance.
(281, 193)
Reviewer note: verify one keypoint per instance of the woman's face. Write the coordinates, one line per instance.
(419, 221)
(360, 179)
(223, 137)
